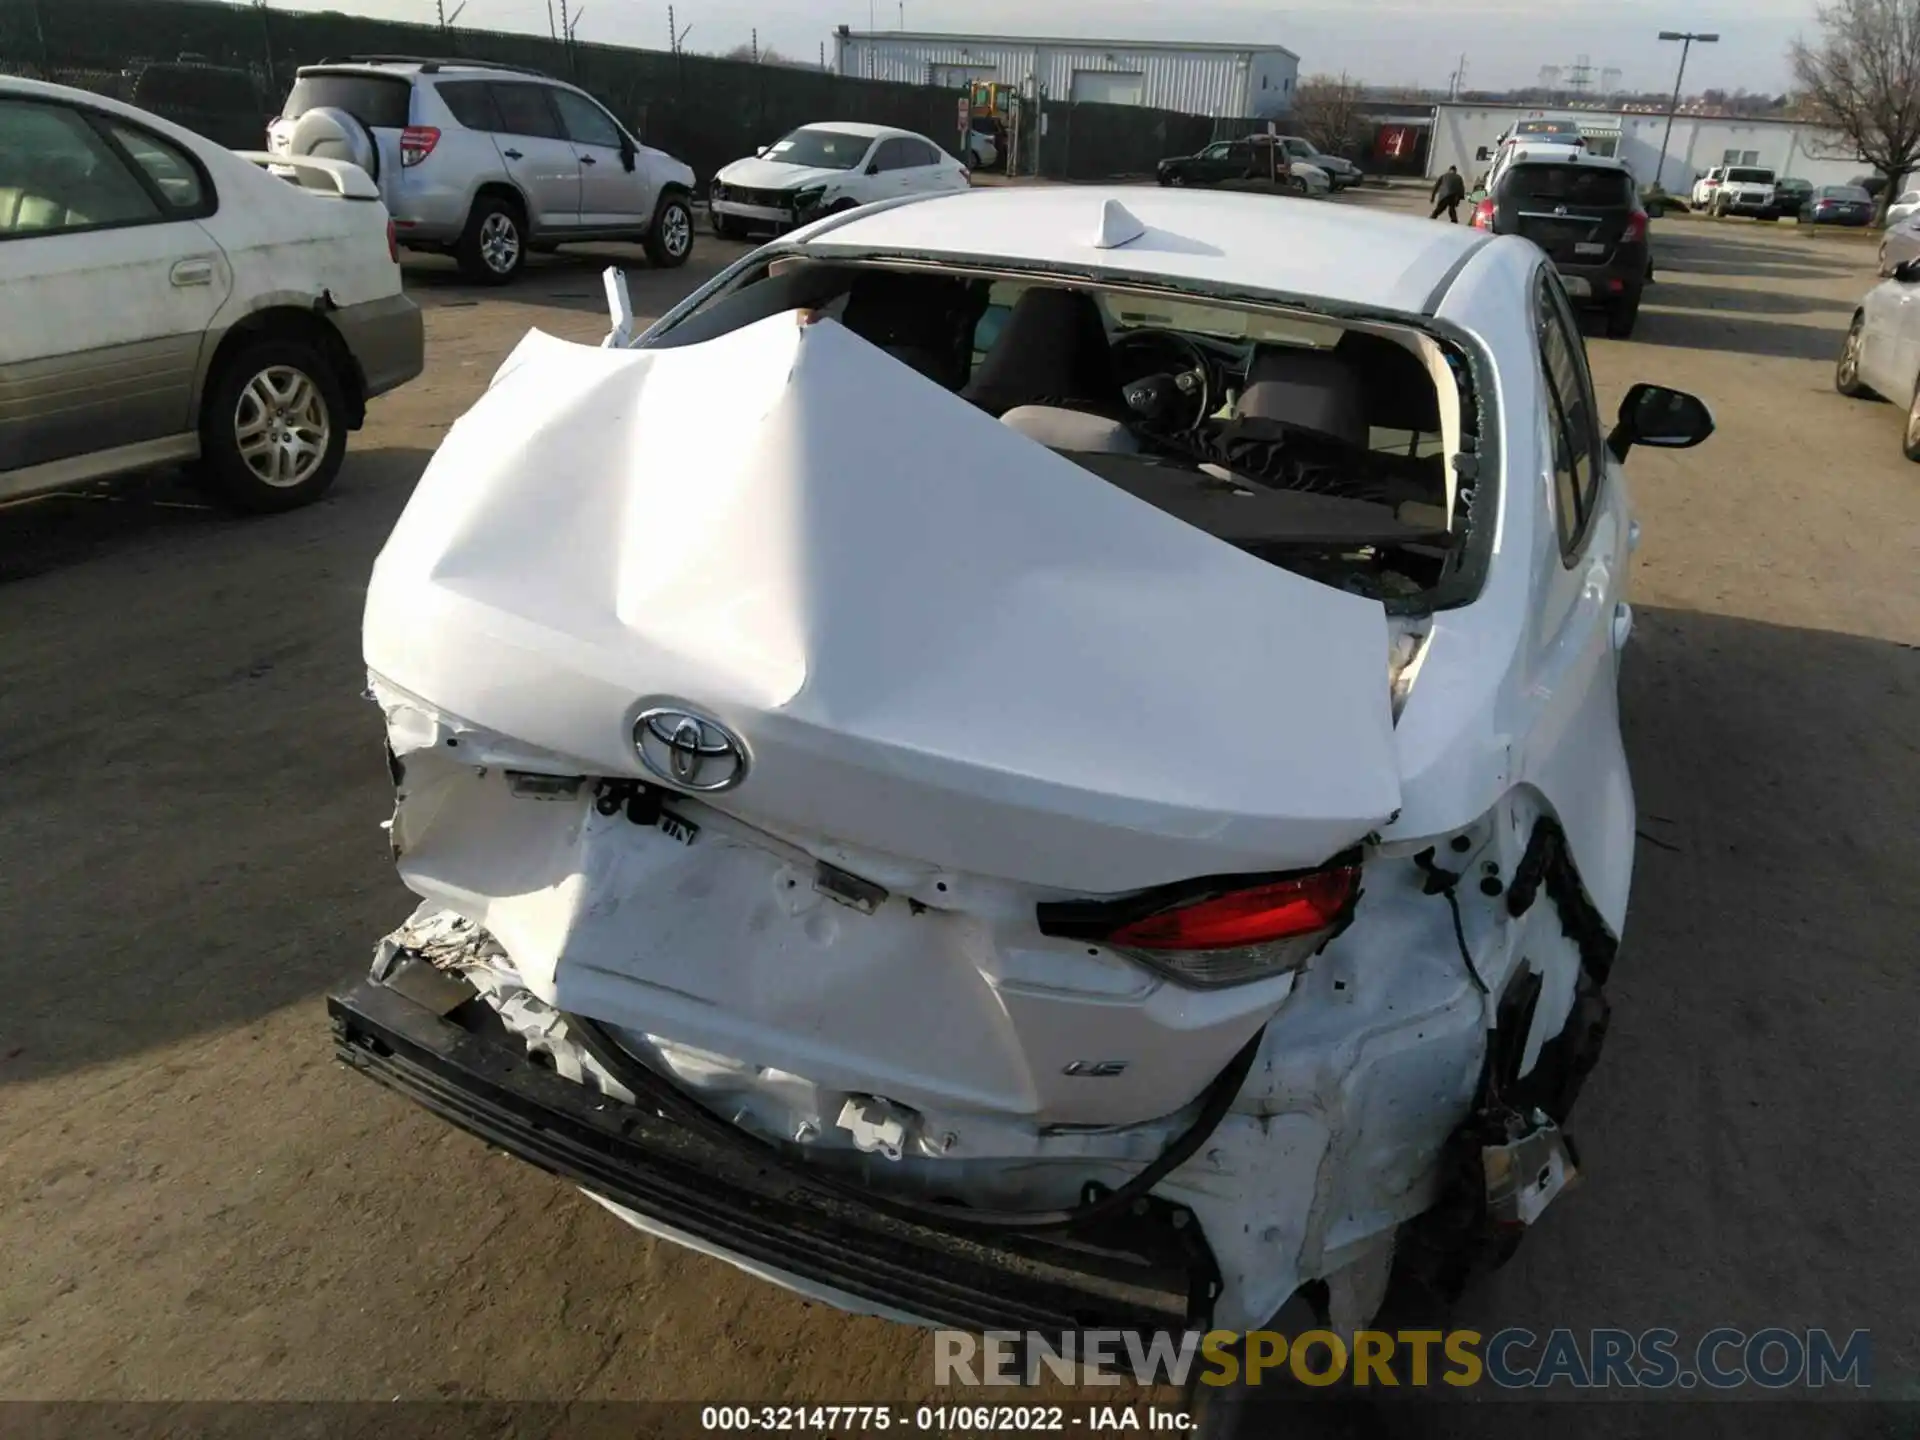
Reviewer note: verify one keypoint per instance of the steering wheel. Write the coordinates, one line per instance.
(1167, 379)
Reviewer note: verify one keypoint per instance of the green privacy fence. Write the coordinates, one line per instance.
(705, 111)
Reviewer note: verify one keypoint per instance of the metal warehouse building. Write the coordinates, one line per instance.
(1460, 132)
(1222, 81)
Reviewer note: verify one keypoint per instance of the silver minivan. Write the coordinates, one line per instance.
(486, 162)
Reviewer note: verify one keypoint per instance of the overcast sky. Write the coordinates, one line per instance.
(1506, 42)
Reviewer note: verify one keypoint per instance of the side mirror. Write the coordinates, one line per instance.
(629, 153)
(1666, 419)
(1907, 272)
(874, 168)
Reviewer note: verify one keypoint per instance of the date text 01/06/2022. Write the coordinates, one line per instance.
(942, 1419)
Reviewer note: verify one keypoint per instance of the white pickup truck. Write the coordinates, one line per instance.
(1735, 190)
(168, 300)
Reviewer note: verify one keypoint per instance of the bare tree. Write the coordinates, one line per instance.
(1862, 80)
(766, 55)
(1327, 109)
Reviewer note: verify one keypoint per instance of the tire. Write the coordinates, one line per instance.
(493, 248)
(1910, 437)
(1621, 315)
(1177, 180)
(1846, 372)
(273, 426)
(669, 240)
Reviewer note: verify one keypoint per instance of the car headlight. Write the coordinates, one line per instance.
(809, 198)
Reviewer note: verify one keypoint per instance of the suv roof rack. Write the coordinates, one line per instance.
(430, 65)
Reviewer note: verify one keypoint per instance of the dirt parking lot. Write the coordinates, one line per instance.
(196, 1203)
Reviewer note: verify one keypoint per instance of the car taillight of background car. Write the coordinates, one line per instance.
(1483, 215)
(1636, 228)
(417, 142)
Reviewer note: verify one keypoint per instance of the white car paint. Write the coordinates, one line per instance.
(1907, 204)
(177, 285)
(879, 174)
(986, 678)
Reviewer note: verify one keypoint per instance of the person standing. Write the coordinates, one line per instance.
(1448, 191)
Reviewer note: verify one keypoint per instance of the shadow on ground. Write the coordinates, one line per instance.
(191, 786)
(1739, 335)
(571, 278)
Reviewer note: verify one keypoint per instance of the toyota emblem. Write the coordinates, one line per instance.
(689, 751)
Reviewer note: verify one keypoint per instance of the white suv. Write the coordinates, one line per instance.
(486, 162)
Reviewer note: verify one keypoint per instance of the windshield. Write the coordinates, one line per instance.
(1750, 177)
(820, 149)
(1567, 185)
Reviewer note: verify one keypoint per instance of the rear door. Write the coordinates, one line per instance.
(108, 283)
(543, 162)
(614, 191)
(1576, 213)
(383, 104)
(899, 162)
(929, 170)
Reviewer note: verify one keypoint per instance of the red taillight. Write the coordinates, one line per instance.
(393, 243)
(416, 144)
(1483, 215)
(1636, 228)
(1284, 910)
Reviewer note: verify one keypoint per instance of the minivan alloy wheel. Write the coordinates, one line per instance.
(281, 426)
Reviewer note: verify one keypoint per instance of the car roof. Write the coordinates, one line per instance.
(858, 127)
(1546, 153)
(1218, 239)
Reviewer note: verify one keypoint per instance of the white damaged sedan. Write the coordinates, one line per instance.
(1036, 759)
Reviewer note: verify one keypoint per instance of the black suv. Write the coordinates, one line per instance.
(1585, 212)
(1256, 163)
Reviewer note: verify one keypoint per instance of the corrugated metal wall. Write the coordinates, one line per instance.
(1215, 83)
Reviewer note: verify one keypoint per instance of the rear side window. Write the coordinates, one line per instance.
(471, 103)
(525, 110)
(921, 153)
(1572, 416)
(56, 174)
(376, 101)
(1569, 185)
(176, 177)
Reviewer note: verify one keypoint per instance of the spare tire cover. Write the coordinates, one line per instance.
(332, 134)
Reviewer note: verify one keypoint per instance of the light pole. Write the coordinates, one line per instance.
(1686, 39)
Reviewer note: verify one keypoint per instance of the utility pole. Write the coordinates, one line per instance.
(553, 32)
(1686, 39)
(756, 45)
(1459, 80)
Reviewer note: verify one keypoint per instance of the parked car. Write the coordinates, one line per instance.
(1258, 162)
(1904, 206)
(487, 162)
(1837, 205)
(889, 950)
(1341, 172)
(168, 300)
(824, 169)
(1900, 243)
(1881, 354)
(1736, 190)
(1788, 195)
(1584, 210)
(983, 150)
(220, 102)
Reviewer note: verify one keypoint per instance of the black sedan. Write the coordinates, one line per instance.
(1837, 205)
